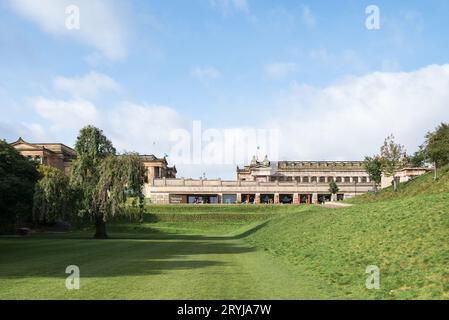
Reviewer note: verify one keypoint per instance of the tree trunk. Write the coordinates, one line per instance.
(100, 229)
(395, 184)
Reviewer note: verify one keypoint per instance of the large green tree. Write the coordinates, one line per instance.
(18, 176)
(393, 158)
(373, 167)
(437, 145)
(53, 197)
(104, 179)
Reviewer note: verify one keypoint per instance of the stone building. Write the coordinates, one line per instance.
(268, 182)
(56, 155)
(304, 171)
(157, 168)
(288, 182)
(60, 156)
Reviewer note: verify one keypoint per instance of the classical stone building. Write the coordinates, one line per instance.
(60, 156)
(56, 155)
(269, 182)
(287, 182)
(157, 168)
(304, 171)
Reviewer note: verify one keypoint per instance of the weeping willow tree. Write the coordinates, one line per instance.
(104, 180)
(53, 197)
(121, 179)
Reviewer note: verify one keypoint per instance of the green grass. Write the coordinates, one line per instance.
(404, 233)
(423, 185)
(248, 252)
(206, 259)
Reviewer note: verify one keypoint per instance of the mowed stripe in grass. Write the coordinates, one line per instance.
(183, 267)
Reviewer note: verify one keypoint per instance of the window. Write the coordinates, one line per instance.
(355, 179)
(330, 179)
(347, 179)
(338, 180)
(298, 179)
(322, 179)
(314, 179)
(305, 179)
(364, 180)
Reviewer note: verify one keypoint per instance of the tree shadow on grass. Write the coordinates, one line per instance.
(113, 258)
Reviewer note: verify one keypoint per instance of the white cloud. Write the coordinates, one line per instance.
(350, 119)
(205, 74)
(88, 86)
(143, 128)
(102, 24)
(307, 17)
(227, 6)
(62, 114)
(278, 70)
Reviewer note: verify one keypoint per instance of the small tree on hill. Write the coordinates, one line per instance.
(333, 188)
(437, 145)
(373, 167)
(393, 158)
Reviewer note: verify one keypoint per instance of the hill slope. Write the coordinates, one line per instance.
(405, 234)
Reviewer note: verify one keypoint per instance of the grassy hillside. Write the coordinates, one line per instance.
(423, 185)
(406, 234)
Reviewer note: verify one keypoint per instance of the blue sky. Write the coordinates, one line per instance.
(136, 68)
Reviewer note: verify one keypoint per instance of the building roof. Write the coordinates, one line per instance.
(56, 148)
(152, 158)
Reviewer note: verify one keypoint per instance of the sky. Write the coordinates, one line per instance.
(209, 83)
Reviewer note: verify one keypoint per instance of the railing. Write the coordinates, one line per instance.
(226, 183)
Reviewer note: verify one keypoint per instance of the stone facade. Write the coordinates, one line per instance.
(264, 181)
(404, 175)
(60, 156)
(56, 155)
(304, 171)
(157, 168)
(276, 182)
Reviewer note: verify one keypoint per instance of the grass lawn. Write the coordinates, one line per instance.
(182, 259)
(248, 252)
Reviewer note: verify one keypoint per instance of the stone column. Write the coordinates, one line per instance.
(296, 198)
(257, 198)
(239, 198)
(276, 198)
(315, 198)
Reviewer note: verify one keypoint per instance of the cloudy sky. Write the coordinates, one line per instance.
(175, 77)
